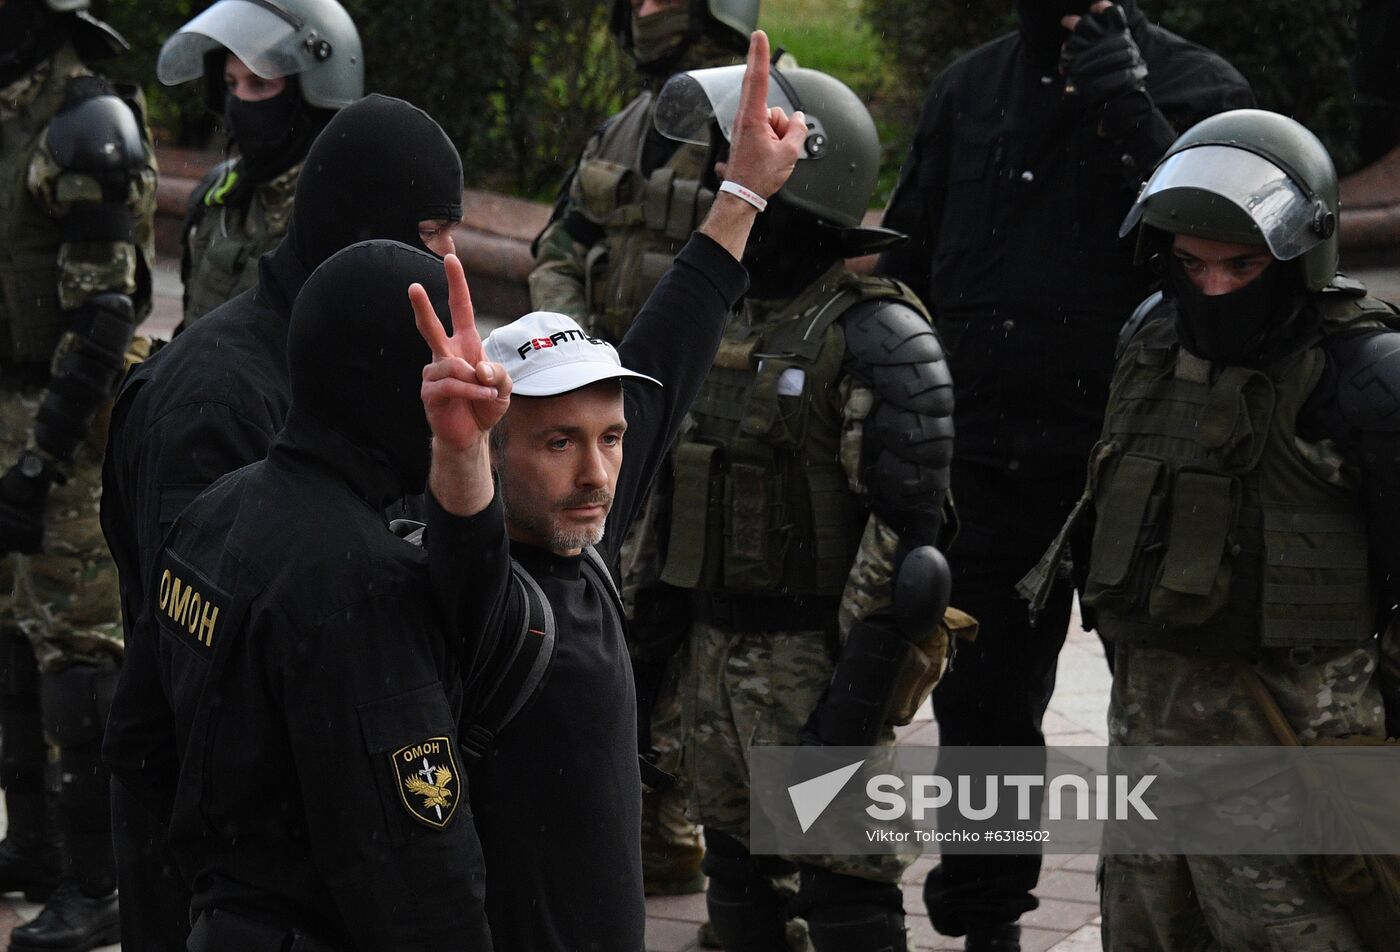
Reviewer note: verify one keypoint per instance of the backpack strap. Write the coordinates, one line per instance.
(529, 655)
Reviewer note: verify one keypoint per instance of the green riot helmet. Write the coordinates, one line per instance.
(840, 161)
(1248, 177)
(315, 40)
(729, 22)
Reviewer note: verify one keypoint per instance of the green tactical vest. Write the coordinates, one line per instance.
(646, 222)
(31, 321)
(224, 243)
(762, 504)
(1218, 530)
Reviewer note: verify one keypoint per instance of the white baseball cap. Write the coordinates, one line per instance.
(547, 354)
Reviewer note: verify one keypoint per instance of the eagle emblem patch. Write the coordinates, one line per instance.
(428, 780)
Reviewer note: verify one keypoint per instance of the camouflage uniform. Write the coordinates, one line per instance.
(223, 242)
(1266, 560)
(760, 687)
(613, 234)
(65, 600)
(1235, 903)
(60, 625)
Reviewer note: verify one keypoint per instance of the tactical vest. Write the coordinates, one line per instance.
(225, 242)
(31, 320)
(762, 504)
(646, 221)
(1218, 529)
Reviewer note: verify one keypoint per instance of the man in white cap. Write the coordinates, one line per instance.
(563, 776)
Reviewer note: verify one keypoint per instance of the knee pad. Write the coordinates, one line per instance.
(850, 913)
(76, 700)
(747, 912)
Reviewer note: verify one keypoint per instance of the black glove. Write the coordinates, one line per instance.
(1101, 59)
(24, 498)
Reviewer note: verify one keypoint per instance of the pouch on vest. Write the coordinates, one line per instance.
(1128, 502)
(1194, 580)
(772, 416)
(600, 186)
(755, 520)
(695, 515)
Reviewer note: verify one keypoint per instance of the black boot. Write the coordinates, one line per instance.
(29, 854)
(71, 922)
(1003, 937)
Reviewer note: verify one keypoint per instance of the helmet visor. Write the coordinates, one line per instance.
(263, 35)
(1287, 218)
(690, 100)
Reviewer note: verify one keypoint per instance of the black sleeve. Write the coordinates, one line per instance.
(469, 562)
(365, 710)
(916, 206)
(1378, 454)
(673, 339)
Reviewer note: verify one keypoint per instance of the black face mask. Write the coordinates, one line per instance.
(272, 134)
(355, 356)
(1041, 29)
(1245, 327)
(787, 250)
(379, 168)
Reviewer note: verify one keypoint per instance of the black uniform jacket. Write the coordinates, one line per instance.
(1012, 200)
(314, 675)
(558, 801)
(206, 404)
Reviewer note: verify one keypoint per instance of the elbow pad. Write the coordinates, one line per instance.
(87, 374)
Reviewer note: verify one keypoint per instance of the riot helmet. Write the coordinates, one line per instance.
(658, 42)
(840, 161)
(32, 30)
(1248, 177)
(312, 40)
(816, 218)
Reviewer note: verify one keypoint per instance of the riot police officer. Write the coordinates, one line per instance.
(77, 195)
(807, 491)
(628, 207)
(210, 403)
(1028, 152)
(1239, 520)
(276, 72)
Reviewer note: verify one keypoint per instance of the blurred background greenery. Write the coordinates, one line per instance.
(520, 84)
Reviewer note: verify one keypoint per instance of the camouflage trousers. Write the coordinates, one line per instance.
(1231, 903)
(64, 601)
(749, 690)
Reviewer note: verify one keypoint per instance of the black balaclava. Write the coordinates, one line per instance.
(28, 33)
(378, 168)
(1248, 327)
(788, 249)
(1041, 29)
(356, 358)
(273, 134)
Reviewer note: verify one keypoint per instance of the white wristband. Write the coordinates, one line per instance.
(747, 194)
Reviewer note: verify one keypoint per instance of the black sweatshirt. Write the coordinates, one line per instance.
(1012, 200)
(557, 803)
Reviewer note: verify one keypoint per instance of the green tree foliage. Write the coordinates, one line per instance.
(1295, 53)
(519, 85)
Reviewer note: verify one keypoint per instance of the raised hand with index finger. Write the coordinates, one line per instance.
(764, 144)
(463, 394)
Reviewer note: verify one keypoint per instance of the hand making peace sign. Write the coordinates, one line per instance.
(464, 395)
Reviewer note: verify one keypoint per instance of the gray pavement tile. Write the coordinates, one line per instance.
(1066, 884)
(671, 935)
(1086, 939)
(1062, 915)
(689, 908)
(1082, 862)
